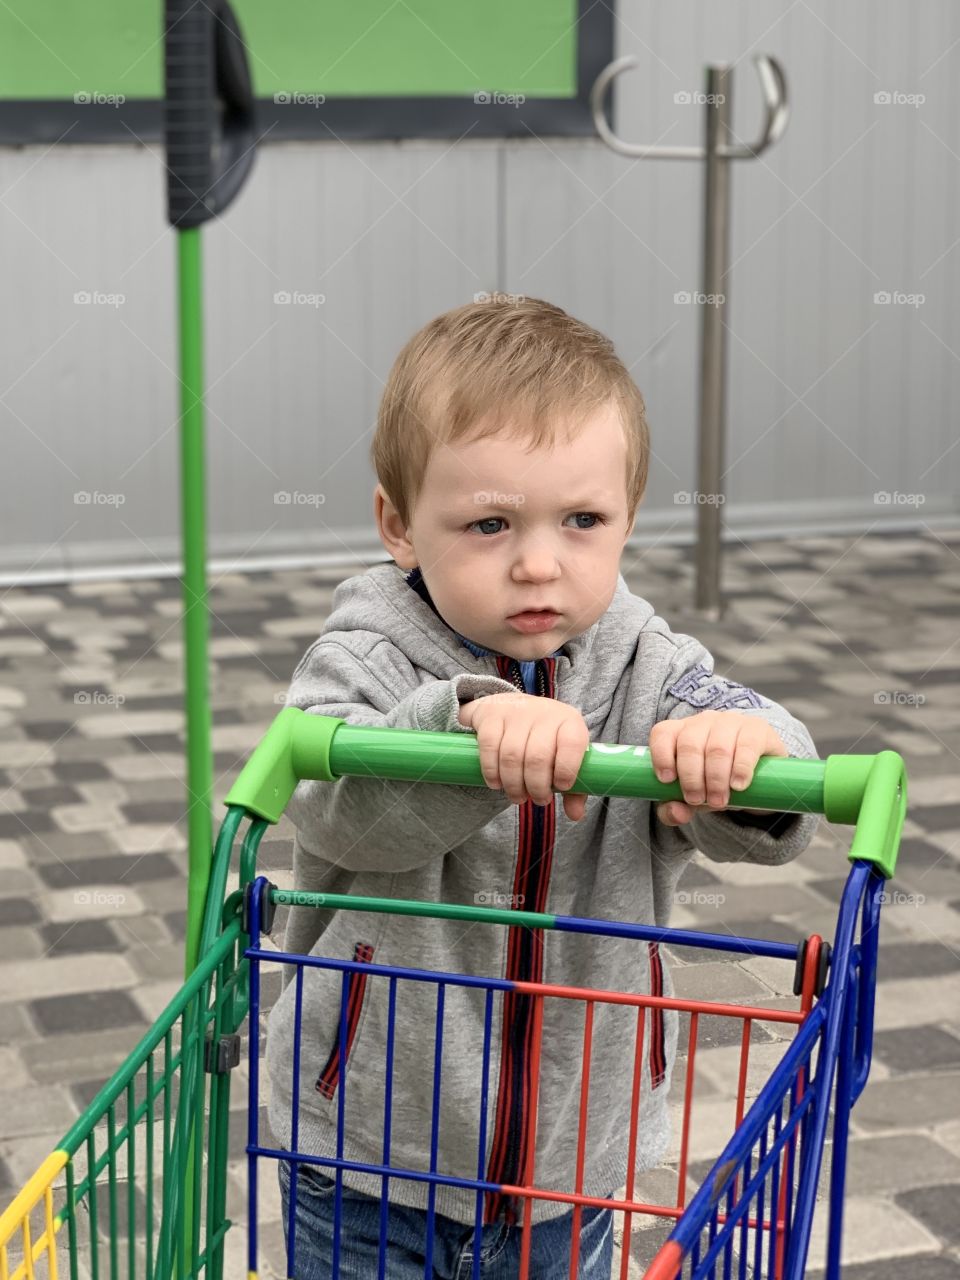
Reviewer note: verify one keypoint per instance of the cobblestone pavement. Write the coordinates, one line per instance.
(858, 635)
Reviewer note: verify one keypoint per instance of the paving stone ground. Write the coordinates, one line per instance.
(857, 635)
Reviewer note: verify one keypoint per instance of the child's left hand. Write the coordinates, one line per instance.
(709, 753)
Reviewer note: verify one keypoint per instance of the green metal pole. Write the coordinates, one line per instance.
(195, 619)
(195, 629)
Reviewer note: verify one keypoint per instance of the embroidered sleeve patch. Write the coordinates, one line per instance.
(708, 692)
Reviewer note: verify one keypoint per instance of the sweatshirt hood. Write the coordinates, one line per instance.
(382, 602)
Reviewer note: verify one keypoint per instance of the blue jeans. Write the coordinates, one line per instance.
(453, 1242)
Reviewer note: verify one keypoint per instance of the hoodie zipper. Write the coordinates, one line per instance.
(524, 957)
(508, 1153)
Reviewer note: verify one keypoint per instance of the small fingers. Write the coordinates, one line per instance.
(530, 758)
(662, 746)
(513, 747)
(691, 766)
(488, 746)
(575, 805)
(709, 753)
(538, 763)
(674, 813)
(718, 756)
(745, 757)
(573, 738)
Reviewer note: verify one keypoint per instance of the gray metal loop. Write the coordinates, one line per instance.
(776, 111)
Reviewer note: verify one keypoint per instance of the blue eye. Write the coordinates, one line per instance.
(489, 520)
(590, 515)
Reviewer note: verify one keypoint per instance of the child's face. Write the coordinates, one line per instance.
(500, 528)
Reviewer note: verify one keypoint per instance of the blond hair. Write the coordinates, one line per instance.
(521, 363)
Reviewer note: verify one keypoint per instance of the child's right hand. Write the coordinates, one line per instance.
(530, 747)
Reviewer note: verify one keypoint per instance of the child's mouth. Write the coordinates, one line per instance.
(531, 622)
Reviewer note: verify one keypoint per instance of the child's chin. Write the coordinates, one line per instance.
(534, 648)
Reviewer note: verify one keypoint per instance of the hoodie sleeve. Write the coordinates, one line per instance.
(692, 686)
(382, 824)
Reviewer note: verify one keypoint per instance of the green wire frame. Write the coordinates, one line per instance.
(158, 1130)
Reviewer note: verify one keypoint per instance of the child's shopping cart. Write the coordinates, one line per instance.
(138, 1187)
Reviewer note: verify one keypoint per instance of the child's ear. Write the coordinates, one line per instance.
(393, 535)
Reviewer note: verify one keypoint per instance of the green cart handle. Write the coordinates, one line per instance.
(868, 790)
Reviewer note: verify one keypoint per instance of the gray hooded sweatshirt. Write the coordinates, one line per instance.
(386, 657)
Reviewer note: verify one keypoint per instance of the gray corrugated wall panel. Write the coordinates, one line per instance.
(84, 396)
(802, 287)
(936, 349)
(298, 387)
(389, 236)
(610, 276)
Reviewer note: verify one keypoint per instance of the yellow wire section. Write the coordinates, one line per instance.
(15, 1221)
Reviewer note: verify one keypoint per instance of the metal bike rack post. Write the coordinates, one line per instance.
(718, 151)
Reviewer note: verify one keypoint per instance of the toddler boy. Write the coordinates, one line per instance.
(512, 452)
